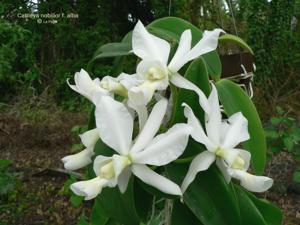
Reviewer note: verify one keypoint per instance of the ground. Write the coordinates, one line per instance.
(35, 143)
(35, 147)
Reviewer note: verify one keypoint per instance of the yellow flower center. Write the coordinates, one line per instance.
(236, 163)
(107, 171)
(156, 73)
(114, 87)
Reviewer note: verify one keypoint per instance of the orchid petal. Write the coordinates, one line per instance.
(79, 160)
(200, 163)
(251, 182)
(182, 82)
(123, 179)
(152, 178)
(90, 188)
(148, 46)
(85, 86)
(184, 47)
(115, 124)
(130, 81)
(213, 120)
(142, 94)
(142, 113)
(151, 126)
(165, 147)
(119, 164)
(237, 131)
(89, 138)
(208, 43)
(198, 132)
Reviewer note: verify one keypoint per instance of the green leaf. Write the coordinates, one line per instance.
(271, 133)
(214, 65)
(112, 50)
(236, 40)
(76, 200)
(97, 216)
(209, 197)
(288, 143)
(296, 176)
(143, 200)
(77, 147)
(181, 214)
(82, 221)
(119, 207)
(276, 120)
(198, 74)
(171, 28)
(249, 213)
(279, 110)
(234, 99)
(4, 164)
(276, 149)
(256, 211)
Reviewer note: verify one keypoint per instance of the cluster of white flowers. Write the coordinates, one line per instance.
(115, 123)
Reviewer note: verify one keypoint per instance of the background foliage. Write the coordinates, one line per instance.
(37, 57)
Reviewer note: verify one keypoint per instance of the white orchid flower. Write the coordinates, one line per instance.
(87, 87)
(93, 89)
(154, 72)
(220, 140)
(116, 127)
(83, 158)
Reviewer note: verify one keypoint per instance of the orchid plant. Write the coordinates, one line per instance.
(165, 128)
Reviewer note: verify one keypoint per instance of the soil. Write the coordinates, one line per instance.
(35, 148)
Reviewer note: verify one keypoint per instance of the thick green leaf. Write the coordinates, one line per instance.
(236, 40)
(181, 214)
(256, 211)
(171, 28)
(249, 213)
(112, 50)
(214, 65)
(120, 207)
(143, 200)
(234, 99)
(97, 216)
(271, 213)
(209, 197)
(198, 74)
